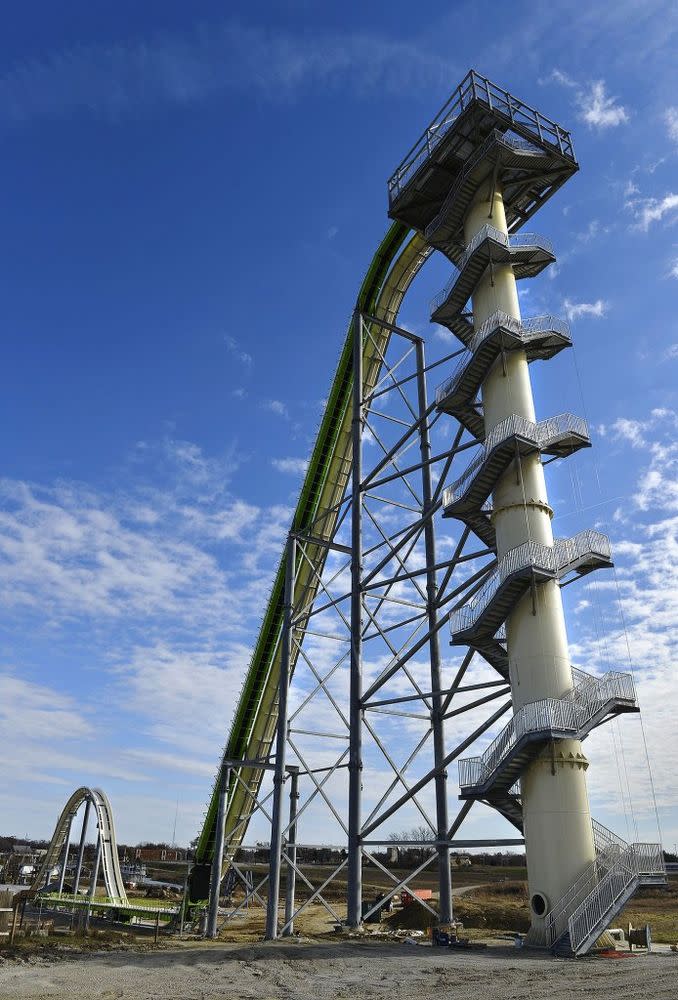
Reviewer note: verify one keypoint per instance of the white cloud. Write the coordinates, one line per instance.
(671, 121)
(630, 430)
(558, 76)
(674, 268)
(649, 210)
(671, 352)
(596, 107)
(129, 78)
(574, 310)
(236, 352)
(599, 110)
(297, 466)
(277, 407)
(632, 621)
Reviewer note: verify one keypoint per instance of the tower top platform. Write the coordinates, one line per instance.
(458, 144)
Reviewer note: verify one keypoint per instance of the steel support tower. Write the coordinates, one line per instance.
(355, 701)
(483, 168)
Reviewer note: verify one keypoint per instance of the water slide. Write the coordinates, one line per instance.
(394, 266)
(115, 889)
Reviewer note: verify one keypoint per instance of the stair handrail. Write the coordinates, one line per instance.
(556, 920)
(543, 433)
(522, 556)
(489, 232)
(589, 916)
(607, 845)
(588, 542)
(570, 713)
(554, 559)
(525, 329)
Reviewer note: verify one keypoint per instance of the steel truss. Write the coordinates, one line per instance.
(366, 698)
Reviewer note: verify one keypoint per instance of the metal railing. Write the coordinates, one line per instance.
(527, 330)
(568, 714)
(475, 87)
(592, 914)
(479, 154)
(607, 845)
(543, 433)
(489, 232)
(564, 552)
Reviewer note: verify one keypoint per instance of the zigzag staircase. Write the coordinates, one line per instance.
(600, 893)
(527, 253)
(592, 701)
(478, 622)
(541, 337)
(512, 438)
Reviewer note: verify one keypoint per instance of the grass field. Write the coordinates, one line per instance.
(501, 904)
(504, 907)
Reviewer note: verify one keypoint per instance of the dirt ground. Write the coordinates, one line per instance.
(338, 970)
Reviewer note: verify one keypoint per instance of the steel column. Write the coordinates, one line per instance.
(217, 860)
(437, 713)
(64, 856)
(81, 847)
(93, 880)
(281, 745)
(355, 765)
(291, 851)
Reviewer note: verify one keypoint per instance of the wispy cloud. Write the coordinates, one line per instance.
(297, 466)
(599, 110)
(574, 310)
(648, 210)
(115, 80)
(236, 351)
(671, 121)
(595, 106)
(276, 406)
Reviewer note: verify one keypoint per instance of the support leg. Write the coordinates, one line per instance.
(93, 880)
(64, 856)
(81, 847)
(218, 859)
(281, 746)
(437, 711)
(291, 851)
(355, 766)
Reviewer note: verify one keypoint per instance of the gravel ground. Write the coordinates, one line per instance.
(347, 970)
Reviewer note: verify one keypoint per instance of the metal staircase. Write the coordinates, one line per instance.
(463, 142)
(591, 702)
(478, 621)
(527, 253)
(577, 920)
(512, 438)
(541, 337)
(521, 163)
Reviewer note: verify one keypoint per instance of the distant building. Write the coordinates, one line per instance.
(160, 854)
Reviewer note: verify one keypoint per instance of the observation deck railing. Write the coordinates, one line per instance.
(544, 433)
(571, 714)
(526, 330)
(488, 232)
(476, 87)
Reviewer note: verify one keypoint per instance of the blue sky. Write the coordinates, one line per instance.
(190, 198)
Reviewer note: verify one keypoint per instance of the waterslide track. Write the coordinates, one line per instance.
(115, 889)
(394, 266)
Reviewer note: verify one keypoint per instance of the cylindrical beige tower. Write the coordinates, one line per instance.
(557, 821)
